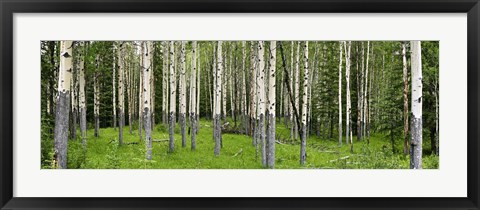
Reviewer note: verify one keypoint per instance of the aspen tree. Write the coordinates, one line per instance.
(224, 83)
(198, 88)
(271, 106)
(129, 86)
(96, 97)
(147, 67)
(114, 99)
(62, 104)
(417, 86)
(140, 92)
(405, 99)
(152, 86)
(365, 94)
(261, 101)
(347, 48)
(230, 85)
(82, 101)
(303, 145)
(165, 82)
(218, 92)
(173, 89)
(193, 97)
(182, 95)
(121, 95)
(297, 87)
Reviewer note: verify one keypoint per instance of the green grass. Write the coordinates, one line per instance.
(105, 153)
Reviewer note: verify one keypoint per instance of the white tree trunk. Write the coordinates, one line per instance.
(303, 145)
(182, 95)
(218, 89)
(165, 83)
(198, 87)
(82, 101)
(147, 68)
(173, 91)
(349, 135)
(96, 97)
(405, 99)
(297, 88)
(63, 104)
(416, 142)
(224, 86)
(121, 95)
(261, 101)
(114, 99)
(271, 106)
(140, 94)
(193, 96)
(365, 94)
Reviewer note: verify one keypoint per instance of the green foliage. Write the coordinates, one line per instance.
(47, 152)
(105, 153)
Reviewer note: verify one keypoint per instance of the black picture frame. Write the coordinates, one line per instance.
(10, 7)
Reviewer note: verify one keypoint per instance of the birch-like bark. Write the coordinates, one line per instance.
(193, 96)
(63, 104)
(349, 135)
(147, 68)
(165, 82)
(230, 85)
(271, 106)
(129, 86)
(303, 145)
(244, 89)
(218, 92)
(360, 96)
(82, 101)
(152, 87)
(140, 93)
(96, 97)
(365, 95)
(114, 99)
(198, 88)
(173, 91)
(121, 93)
(182, 95)
(340, 95)
(214, 84)
(261, 101)
(224, 83)
(297, 88)
(405, 99)
(417, 88)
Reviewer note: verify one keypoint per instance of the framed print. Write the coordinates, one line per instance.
(239, 105)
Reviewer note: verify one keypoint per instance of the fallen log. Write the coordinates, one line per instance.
(342, 158)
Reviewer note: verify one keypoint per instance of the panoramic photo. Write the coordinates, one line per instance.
(239, 104)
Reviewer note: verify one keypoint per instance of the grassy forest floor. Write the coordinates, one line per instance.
(104, 152)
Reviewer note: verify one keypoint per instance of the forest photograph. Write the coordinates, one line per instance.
(186, 104)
